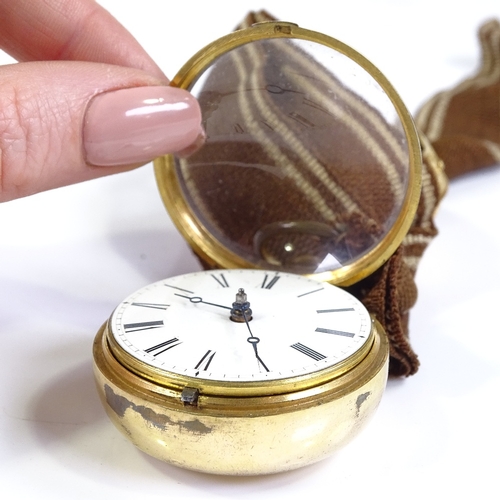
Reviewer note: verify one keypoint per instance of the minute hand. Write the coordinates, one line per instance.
(254, 341)
(198, 300)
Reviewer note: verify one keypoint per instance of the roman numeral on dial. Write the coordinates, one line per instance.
(335, 332)
(205, 361)
(221, 279)
(177, 288)
(311, 291)
(164, 346)
(308, 351)
(146, 325)
(345, 309)
(164, 307)
(269, 284)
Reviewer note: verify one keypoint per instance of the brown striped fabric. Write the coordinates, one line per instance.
(463, 123)
(460, 132)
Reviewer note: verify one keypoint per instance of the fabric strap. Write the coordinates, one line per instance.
(463, 123)
(460, 131)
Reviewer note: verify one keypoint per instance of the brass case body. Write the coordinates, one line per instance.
(241, 435)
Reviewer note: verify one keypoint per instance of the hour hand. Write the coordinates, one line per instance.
(199, 300)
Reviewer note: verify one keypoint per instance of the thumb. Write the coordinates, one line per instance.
(65, 122)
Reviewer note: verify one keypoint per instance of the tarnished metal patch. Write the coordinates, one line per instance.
(120, 405)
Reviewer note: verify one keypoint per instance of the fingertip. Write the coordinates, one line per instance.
(135, 125)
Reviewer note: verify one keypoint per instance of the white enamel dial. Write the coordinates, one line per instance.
(297, 325)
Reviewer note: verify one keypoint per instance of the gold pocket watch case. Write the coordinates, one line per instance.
(189, 385)
(310, 175)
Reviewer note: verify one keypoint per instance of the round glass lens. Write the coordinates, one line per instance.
(306, 164)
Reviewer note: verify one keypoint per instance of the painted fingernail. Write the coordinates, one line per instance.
(135, 125)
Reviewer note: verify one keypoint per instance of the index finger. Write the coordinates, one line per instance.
(78, 30)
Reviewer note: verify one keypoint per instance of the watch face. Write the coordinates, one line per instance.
(241, 325)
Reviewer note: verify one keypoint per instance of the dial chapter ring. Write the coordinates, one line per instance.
(266, 388)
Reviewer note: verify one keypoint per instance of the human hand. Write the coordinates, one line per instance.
(85, 100)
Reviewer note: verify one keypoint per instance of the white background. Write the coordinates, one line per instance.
(67, 257)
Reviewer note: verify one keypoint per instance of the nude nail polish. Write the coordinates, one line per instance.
(135, 125)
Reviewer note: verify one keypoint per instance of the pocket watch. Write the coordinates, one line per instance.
(309, 178)
(240, 371)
